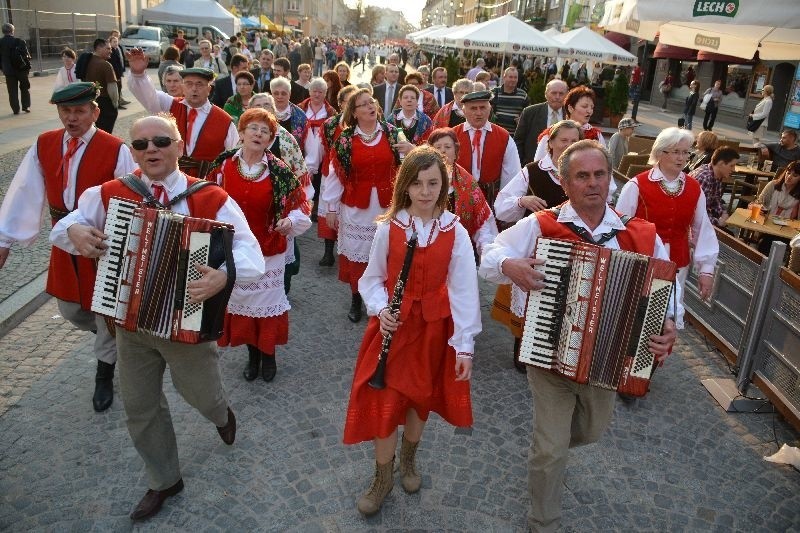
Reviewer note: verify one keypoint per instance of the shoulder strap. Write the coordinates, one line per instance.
(137, 186)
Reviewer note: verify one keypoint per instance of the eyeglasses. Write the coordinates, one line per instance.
(371, 102)
(158, 142)
(681, 153)
(257, 129)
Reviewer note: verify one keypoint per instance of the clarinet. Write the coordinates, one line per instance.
(378, 380)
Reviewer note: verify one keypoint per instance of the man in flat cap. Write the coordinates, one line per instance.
(487, 150)
(56, 170)
(206, 130)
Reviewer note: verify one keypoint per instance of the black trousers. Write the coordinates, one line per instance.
(108, 114)
(17, 83)
(710, 116)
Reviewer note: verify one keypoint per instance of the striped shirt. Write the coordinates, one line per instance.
(508, 107)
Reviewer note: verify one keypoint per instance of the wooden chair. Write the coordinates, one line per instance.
(635, 170)
(730, 143)
(742, 193)
(640, 145)
(630, 159)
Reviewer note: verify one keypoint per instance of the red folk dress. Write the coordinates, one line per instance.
(420, 369)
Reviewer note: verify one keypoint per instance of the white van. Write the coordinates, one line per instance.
(192, 32)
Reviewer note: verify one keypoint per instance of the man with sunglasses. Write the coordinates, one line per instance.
(206, 130)
(143, 357)
(57, 169)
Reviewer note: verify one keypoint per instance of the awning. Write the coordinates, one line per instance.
(620, 39)
(702, 55)
(667, 51)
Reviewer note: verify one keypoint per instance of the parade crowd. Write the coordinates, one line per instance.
(274, 139)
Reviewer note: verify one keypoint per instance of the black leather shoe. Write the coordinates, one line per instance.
(253, 363)
(521, 367)
(627, 399)
(103, 387)
(27, 110)
(355, 308)
(153, 500)
(268, 367)
(327, 259)
(228, 432)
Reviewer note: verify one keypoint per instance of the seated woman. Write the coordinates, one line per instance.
(781, 198)
(704, 147)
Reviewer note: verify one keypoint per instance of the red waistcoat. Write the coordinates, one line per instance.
(639, 235)
(204, 203)
(71, 277)
(427, 278)
(371, 166)
(256, 201)
(672, 215)
(211, 138)
(494, 149)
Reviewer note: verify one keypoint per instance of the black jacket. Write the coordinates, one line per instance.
(298, 94)
(222, 91)
(448, 94)
(532, 122)
(117, 61)
(7, 44)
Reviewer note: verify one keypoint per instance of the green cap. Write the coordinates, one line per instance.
(477, 96)
(206, 73)
(77, 93)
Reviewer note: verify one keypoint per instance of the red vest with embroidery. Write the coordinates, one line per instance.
(494, 149)
(427, 279)
(672, 215)
(255, 199)
(71, 277)
(639, 235)
(211, 137)
(204, 203)
(371, 166)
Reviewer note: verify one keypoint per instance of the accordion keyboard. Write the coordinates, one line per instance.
(118, 219)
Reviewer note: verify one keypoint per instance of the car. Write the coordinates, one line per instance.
(151, 40)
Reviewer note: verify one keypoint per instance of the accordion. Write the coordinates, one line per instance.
(152, 256)
(592, 321)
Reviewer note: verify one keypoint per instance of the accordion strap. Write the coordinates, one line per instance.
(137, 186)
(586, 236)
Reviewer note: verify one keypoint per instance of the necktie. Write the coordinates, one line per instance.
(160, 193)
(553, 117)
(441, 100)
(476, 148)
(389, 97)
(63, 171)
(69, 75)
(190, 126)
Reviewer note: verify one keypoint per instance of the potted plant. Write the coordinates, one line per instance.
(616, 98)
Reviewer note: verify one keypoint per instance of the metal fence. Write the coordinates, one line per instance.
(48, 33)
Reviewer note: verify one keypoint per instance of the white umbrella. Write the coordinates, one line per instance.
(587, 44)
(419, 33)
(768, 28)
(506, 34)
(551, 32)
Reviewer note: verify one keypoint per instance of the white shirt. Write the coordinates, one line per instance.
(160, 102)
(462, 280)
(22, 212)
(703, 239)
(511, 165)
(519, 241)
(313, 143)
(63, 77)
(91, 212)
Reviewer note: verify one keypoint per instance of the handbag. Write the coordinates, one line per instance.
(665, 87)
(753, 125)
(706, 100)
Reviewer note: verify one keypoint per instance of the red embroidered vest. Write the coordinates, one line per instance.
(672, 215)
(211, 137)
(427, 279)
(494, 148)
(639, 235)
(71, 277)
(371, 166)
(255, 199)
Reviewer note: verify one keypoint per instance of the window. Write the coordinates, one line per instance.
(293, 5)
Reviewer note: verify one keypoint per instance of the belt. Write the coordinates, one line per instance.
(189, 163)
(57, 214)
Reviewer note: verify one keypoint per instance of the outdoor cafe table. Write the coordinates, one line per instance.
(741, 219)
(741, 169)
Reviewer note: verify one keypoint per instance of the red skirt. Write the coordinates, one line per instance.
(324, 231)
(420, 374)
(263, 332)
(350, 272)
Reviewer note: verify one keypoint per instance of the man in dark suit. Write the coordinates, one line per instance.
(16, 80)
(281, 67)
(386, 92)
(439, 89)
(225, 87)
(295, 59)
(535, 118)
(394, 59)
(264, 74)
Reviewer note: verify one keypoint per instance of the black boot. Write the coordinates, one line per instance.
(520, 366)
(268, 366)
(327, 259)
(253, 363)
(355, 308)
(103, 386)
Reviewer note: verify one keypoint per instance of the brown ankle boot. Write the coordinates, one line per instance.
(370, 503)
(409, 477)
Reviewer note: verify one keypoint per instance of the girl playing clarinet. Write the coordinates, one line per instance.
(429, 360)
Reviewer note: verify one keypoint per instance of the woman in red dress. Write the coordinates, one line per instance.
(429, 362)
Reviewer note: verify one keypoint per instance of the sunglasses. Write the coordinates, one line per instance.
(158, 142)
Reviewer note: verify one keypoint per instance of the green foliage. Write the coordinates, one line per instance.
(536, 89)
(453, 69)
(617, 95)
